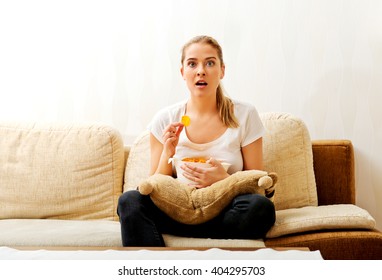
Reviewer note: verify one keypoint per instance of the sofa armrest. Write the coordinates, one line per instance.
(333, 162)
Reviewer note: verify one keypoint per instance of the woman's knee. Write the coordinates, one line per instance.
(128, 196)
(252, 216)
(263, 208)
(265, 215)
(128, 202)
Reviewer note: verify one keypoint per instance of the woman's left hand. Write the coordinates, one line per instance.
(204, 177)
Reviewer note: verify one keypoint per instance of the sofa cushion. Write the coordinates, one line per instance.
(50, 232)
(60, 171)
(138, 162)
(191, 205)
(288, 152)
(310, 218)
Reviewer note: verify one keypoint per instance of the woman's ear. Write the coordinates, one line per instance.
(182, 71)
(222, 71)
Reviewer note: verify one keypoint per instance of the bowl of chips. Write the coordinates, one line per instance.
(193, 161)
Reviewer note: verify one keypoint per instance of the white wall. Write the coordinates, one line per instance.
(117, 62)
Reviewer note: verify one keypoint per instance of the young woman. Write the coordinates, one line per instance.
(222, 130)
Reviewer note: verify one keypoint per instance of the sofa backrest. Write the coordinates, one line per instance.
(138, 162)
(60, 171)
(287, 151)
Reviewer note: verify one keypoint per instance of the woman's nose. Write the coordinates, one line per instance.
(201, 71)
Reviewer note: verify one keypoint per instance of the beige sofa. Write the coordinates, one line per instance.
(59, 186)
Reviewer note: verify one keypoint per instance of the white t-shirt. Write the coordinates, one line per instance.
(226, 148)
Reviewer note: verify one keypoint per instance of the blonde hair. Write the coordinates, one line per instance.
(223, 102)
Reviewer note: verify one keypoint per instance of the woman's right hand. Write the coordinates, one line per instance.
(171, 138)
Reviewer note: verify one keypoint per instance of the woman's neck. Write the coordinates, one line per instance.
(202, 106)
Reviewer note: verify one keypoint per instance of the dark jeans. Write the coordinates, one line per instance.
(248, 216)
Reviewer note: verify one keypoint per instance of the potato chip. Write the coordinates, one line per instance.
(185, 120)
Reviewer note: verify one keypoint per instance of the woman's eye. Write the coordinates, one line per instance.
(210, 63)
(191, 64)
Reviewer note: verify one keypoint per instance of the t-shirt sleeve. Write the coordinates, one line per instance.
(165, 117)
(253, 127)
(158, 124)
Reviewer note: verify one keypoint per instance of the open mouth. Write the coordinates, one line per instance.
(201, 83)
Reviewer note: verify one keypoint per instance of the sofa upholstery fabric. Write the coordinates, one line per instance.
(310, 218)
(60, 172)
(138, 162)
(334, 171)
(51, 232)
(287, 151)
(335, 244)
